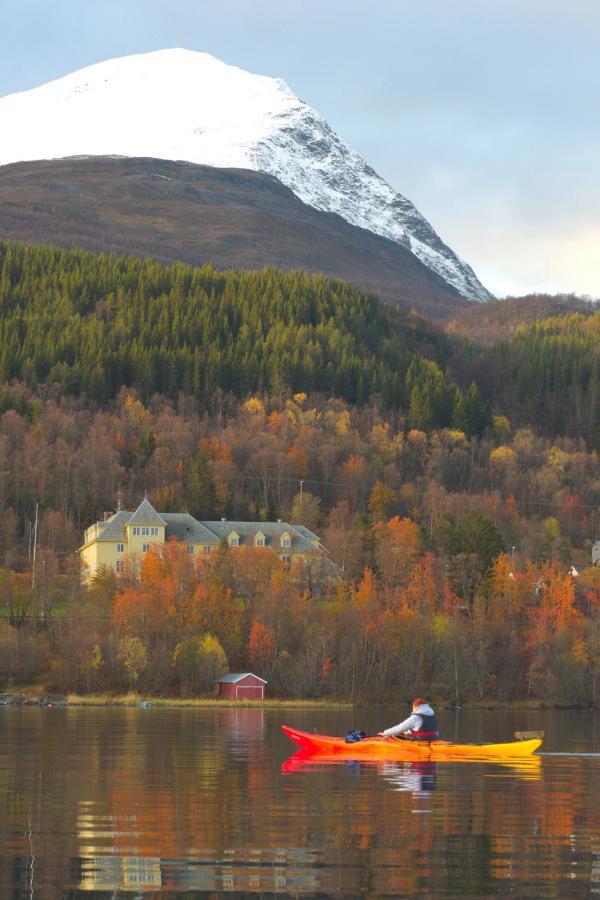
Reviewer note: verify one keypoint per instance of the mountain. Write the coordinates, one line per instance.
(183, 105)
(234, 218)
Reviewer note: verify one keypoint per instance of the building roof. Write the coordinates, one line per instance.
(145, 514)
(307, 533)
(114, 528)
(187, 528)
(273, 532)
(233, 677)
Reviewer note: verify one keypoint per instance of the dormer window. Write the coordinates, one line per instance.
(286, 542)
(145, 531)
(234, 539)
(260, 540)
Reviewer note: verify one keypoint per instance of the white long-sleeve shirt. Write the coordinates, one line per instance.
(413, 723)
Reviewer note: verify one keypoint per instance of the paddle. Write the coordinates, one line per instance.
(529, 735)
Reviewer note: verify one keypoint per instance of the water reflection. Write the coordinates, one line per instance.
(418, 778)
(97, 801)
(525, 767)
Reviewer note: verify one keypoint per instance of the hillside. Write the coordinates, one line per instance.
(547, 374)
(500, 319)
(230, 217)
(454, 516)
(89, 324)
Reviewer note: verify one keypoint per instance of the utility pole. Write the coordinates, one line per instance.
(35, 527)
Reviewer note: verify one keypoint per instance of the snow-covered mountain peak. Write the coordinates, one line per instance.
(184, 105)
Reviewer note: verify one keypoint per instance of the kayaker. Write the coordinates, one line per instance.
(420, 726)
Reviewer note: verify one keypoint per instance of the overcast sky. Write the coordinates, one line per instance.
(484, 113)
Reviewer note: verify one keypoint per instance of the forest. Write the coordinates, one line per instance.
(459, 509)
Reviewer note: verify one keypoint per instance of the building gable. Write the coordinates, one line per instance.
(145, 514)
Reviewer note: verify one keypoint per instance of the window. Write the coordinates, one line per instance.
(145, 530)
(145, 548)
(190, 549)
(234, 542)
(287, 560)
(285, 542)
(260, 540)
(120, 548)
(207, 548)
(119, 566)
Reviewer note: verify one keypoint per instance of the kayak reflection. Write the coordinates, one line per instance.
(414, 777)
(529, 767)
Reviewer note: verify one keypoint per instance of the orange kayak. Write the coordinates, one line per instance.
(375, 748)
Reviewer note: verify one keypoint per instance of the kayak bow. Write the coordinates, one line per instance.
(394, 749)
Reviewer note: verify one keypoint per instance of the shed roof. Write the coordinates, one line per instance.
(232, 677)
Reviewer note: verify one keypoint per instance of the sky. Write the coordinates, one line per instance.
(484, 113)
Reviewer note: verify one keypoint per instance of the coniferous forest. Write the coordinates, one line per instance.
(455, 484)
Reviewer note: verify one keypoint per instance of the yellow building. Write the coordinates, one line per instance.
(131, 534)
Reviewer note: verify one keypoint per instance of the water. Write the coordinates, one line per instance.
(123, 802)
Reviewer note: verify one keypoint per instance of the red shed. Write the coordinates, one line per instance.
(241, 686)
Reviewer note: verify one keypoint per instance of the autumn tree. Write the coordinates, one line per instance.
(134, 656)
(398, 545)
(199, 661)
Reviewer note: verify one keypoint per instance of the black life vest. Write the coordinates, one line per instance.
(428, 730)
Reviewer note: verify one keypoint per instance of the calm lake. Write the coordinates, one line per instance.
(115, 802)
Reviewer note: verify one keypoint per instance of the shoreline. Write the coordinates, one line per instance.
(133, 700)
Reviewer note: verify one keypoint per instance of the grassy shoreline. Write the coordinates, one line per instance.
(134, 699)
(30, 696)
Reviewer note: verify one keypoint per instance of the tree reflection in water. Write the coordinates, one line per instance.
(191, 799)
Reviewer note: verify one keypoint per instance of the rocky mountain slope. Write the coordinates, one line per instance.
(184, 105)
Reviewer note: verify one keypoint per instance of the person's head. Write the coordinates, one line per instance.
(418, 701)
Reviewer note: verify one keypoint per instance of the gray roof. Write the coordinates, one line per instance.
(272, 531)
(233, 677)
(114, 528)
(307, 533)
(187, 528)
(145, 514)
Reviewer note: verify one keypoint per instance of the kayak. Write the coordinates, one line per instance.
(376, 748)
